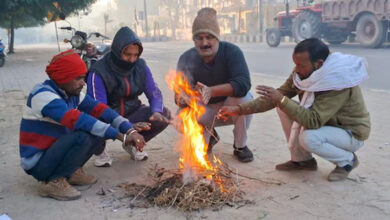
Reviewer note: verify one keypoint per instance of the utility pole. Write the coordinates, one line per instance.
(135, 20)
(106, 21)
(105, 16)
(146, 20)
(239, 20)
(287, 8)
(261, 17)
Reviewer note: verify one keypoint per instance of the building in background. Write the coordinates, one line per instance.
(167, 19)
(235, 17)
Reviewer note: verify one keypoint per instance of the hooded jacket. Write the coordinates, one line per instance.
(124, 81)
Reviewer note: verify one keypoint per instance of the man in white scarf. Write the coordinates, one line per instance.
(331, 119)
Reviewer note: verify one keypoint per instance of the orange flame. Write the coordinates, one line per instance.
(194, 159)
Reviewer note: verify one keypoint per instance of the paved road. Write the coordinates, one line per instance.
(26, 68)
(277, 61)
(305, 195)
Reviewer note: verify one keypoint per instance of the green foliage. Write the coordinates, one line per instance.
(30, 13)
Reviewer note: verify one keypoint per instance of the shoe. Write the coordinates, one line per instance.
(135, 154)
(58, 189)
(103, 160)
(341, 173)
(243, 154)
(213, 141)
(80, 178)
(301, 165)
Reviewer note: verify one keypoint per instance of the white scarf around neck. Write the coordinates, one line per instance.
(339, 71)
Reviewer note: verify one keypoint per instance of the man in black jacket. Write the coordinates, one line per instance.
(219, 71)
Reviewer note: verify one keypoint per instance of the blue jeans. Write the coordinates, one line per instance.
(334, 144)
(66, 155)
(331, 143)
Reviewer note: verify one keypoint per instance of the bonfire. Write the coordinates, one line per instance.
(202, 180)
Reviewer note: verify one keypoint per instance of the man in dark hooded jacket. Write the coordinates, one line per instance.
(118, 79)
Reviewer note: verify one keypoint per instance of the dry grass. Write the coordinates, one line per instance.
(168, 190)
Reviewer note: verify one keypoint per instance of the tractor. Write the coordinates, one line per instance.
(334, 21)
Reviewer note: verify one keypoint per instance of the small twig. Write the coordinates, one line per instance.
(138, 194)
(192, 193)
(253, 178)
(211, 127)
(234, 196)
(294, 197)
(174, 200)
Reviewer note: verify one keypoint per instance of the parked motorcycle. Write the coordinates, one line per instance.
(89, 51)
(2, 53)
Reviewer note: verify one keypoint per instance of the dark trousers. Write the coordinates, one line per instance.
(142, 114)
(66, 155)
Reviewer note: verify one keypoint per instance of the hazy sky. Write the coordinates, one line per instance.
(121, 12)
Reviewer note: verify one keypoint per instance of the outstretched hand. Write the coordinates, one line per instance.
(205, 92)
(182, 99)
(228, 111)
(157, 116)
(136, 139)
(142, 126)
(269, 93)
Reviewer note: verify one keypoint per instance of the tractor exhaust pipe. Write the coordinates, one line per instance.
(287, 8)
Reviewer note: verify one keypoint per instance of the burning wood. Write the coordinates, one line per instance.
(169, 190)
(199, 183)
(202, 180)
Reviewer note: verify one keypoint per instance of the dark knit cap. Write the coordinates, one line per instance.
(206, 22)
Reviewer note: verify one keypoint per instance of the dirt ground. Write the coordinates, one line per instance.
(303, 195)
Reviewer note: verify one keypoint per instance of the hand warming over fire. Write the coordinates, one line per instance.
(177, 123)
(270, 94)
(136, 139)
(205, 92)
(157, 116)
(182, 99)
(142, 126)
(228, 111)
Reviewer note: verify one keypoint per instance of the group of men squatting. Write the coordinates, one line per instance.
(63, 127)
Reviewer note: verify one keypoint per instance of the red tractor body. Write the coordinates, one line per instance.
(334, 21)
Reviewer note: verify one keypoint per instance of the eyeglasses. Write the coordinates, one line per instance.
(202, 38)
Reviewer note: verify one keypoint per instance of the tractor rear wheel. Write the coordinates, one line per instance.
(273, 37)
(306, 25)
(370, 31)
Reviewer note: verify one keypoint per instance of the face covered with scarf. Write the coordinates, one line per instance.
(130, 53)
(126, 49)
